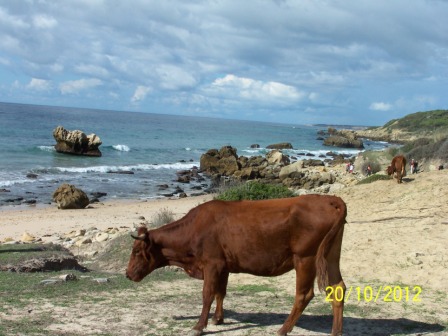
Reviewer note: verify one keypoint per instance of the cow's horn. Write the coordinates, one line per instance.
(140, 237)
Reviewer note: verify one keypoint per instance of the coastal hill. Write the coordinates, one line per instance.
(423, 135)
(429, 125)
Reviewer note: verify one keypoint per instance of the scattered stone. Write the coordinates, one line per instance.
(101, 237)
(83, 241)
(101, 280)
(31, 175)
(27, 238)
(67, 277)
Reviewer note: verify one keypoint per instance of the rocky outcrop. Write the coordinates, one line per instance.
(344, 139)
(222, 162)
(275, 168)
(76, 142)
(390, 135)
(281, 145)
(68, 196)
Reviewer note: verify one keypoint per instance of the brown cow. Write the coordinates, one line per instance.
(265, 238)
(398, 167)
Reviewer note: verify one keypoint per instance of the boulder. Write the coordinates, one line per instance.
(68, 196)
(277, 157)
(288, 170)
(341, 141)
(281, 145)
(222, 162)
(76, 142)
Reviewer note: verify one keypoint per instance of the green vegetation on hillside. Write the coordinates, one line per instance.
(421, 121)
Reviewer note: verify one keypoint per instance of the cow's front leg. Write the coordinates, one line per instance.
(218, 317)
(211, 282)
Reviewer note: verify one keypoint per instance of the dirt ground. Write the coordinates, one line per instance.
(394, 263)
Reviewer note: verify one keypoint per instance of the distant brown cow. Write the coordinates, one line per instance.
(265, 238)
(398, 167)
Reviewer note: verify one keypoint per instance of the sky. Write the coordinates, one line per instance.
(346, 62)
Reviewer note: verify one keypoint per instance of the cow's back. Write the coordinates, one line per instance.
(260, 237)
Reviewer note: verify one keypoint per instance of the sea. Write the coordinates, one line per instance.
(148, 149)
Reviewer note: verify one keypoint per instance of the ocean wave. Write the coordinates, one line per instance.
(47, 148)
(121, 148)
(138, 167)
(9, 183)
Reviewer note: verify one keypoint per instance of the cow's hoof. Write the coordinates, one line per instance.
(216, 321)
(194, 332)
(281, 333)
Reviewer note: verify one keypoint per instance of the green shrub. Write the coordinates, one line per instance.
(375, 167)
(254, 191)
(373, 178)
(163, 216)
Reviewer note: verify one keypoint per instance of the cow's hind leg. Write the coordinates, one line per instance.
(305, 274)
(337, 293)
(218, 317)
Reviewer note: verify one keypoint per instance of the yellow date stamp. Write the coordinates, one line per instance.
(369, 293)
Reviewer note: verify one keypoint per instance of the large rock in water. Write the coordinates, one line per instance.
(281, 145)
(76, 142)
(68, 196)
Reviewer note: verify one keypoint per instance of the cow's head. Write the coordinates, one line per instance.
(389, 170)
(142, 260)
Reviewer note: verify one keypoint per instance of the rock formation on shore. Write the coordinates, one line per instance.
(76, 142)
(343, 138)
(275, 167)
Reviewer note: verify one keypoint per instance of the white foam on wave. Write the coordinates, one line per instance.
(9, 183)
(106, 169)
(47, 148)
(121, 148)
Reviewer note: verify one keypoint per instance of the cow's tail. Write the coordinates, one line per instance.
(327, 243)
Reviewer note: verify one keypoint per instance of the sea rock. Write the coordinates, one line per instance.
(76, 142)
(340, 141)
(68, 196)
(343, 138)
(281, 145)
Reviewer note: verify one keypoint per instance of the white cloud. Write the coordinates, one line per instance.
(293, 55)
(39, 84)
(251, 89)
(380, 106)
(140, 93)
(75, 86)
(173, 77)
(44, 22)
(92, 70)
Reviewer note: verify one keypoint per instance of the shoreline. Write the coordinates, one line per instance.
(49, 220)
